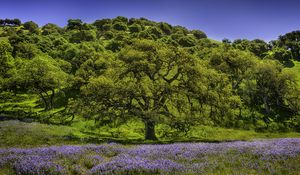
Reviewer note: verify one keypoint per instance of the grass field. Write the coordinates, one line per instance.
(35, 148)
(15, 133)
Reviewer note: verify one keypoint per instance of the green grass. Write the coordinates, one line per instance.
(207, 133)
(296, 69)
(15, 133)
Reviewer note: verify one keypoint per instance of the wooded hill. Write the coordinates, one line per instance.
(117, 69)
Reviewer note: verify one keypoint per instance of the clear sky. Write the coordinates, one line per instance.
(250, 19)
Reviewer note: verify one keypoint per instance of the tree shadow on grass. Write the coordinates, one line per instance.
(127, 141)
(289, 64)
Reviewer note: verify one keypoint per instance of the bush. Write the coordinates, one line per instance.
(135, 28)
(199, 34)
(120, 26)
(187, 41)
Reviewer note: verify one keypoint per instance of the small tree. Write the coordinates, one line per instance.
(74, 24)
(199, 34)
(120, 26)
(43, 76)
(31, 26)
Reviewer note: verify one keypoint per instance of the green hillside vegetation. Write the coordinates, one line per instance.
(139, 79)
(296, 69)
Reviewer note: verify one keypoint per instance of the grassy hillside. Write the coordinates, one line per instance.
(160, 79)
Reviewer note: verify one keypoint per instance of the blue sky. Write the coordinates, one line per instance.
(250, 19)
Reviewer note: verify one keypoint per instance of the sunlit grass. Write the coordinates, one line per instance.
(296, 68)
(20, 134)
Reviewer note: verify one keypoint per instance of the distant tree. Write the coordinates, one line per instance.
(146, 35)
(135, 28)
(257, 46)
(181, 30)
(155, 32)
(45, 45)
(291, 41)
(120, 26)
(31, 26)
(280, 54)
(74, 24)
(51, 28)
(107, 27)
(108, 35)
(114, 45)
(100, 23)
(187, 41)
(83, 35)
(10, 22)
(199, 34)
(121, 19)
(26, 50)
(17, 22)
(166, 28)
(2, 22)
(226, 41)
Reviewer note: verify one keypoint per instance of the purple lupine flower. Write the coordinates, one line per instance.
(41, 165)
(260, 156)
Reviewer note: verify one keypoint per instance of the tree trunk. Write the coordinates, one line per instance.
(52, 99)
(150, 130)
(266, 105)
(45, 101)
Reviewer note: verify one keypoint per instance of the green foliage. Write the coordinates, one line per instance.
(257, 46)
(74, 24)
(135, 28)
(41, 75)
(280, 54)
(187, 41)
(165, 77)
(120, 26)
(114, 45)
(26, 50)
(10, 22)
(31, 26)
(100, 24)
(50, 29)
(290, 41)
(199, 34)
(6, 59)
(83, 35)
(166, 28)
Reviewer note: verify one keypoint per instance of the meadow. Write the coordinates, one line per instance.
(134, 96)
(41, 149)
(277, 156)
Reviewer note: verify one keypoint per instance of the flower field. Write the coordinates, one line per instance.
(277, 156)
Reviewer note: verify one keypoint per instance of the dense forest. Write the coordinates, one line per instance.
(115, 70)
